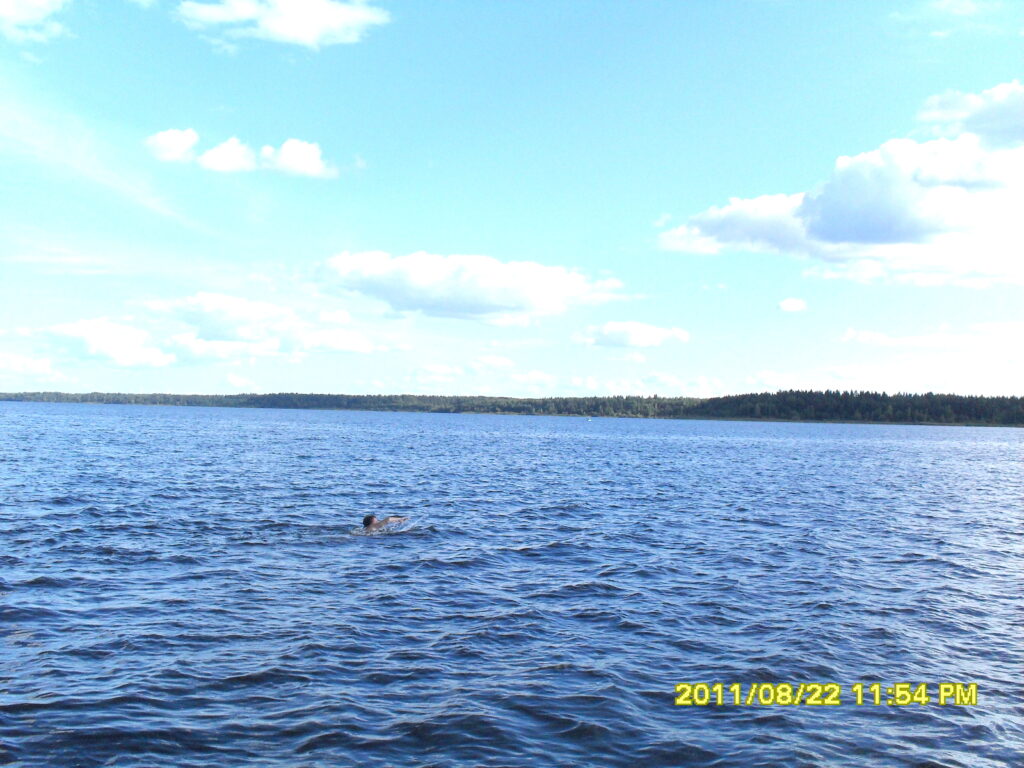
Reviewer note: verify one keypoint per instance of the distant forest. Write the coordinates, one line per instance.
(790, 405)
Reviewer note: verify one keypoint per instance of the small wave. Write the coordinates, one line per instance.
(270, 676)
(65, 501)
(191, 601)
(46, 581)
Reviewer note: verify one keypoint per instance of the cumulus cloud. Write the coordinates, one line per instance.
(123, 344)
(173, 145)
(30, 20)
(630, 333)
(925, 212)
(294, 156)
(792, 305)
(996, 115)
(230, 156)
(302, 158)
(230, 327)
(310, 23)
(483, 287)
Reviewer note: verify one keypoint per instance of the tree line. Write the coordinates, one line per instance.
(834, 405)
(790, 405)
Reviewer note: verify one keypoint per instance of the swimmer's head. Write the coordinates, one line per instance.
(369, 520)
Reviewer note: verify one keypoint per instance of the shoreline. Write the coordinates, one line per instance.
(264, 402)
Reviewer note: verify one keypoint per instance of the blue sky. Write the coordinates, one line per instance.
(519, 198)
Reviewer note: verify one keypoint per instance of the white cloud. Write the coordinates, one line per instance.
(297, 157)
(750, 222)
(224, 317)
(230, 156)
(302, 158)
(468, 286)
(792, 305)
(125, 345)
(231, 327)
(30, 20)
(173, 145)
(310, 23)
(996, 114)
(25, 365)
(689, 239)
(924, 212)
(630, 333)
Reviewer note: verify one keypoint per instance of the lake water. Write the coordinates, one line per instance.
(181, 587)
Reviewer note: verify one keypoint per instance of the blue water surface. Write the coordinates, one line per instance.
(182, 587)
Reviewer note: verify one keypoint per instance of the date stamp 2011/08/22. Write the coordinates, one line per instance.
(825, 694)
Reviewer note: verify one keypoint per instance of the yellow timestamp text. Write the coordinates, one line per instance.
(825, 694)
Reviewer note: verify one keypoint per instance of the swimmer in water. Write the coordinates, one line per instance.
(371, 524)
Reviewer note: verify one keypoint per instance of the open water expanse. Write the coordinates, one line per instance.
(182, 587)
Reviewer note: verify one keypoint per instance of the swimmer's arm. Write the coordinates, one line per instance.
(394, 519)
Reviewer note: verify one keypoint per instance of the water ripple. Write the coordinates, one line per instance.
(181, 586)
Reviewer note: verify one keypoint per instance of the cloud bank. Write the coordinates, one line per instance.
(930, 212)
(468, 286)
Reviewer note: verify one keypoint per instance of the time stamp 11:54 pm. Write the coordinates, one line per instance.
(825, 694)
